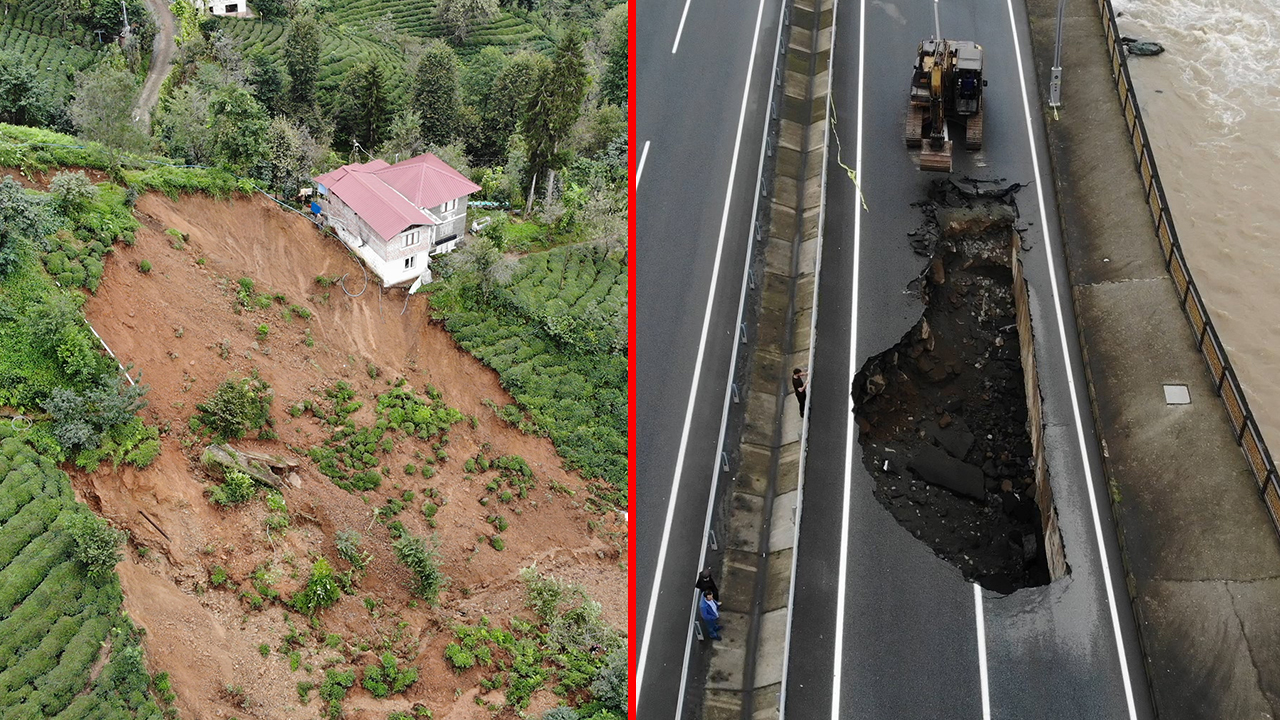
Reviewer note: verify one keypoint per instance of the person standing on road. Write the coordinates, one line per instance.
(707, 584)
(709, 609)
(801, 386)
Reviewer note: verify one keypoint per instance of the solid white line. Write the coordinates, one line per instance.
(676, 45)
(640, 165)
(843, 575)
(697, 374)
(982, 652)
(1071, 382)
(733, 359)
(813, 333)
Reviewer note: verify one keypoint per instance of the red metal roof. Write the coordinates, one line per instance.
(427, 181)
(392, 197)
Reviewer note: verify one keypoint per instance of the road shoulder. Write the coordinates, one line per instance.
(1201, 555)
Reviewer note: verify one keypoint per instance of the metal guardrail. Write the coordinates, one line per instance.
(1247, 433)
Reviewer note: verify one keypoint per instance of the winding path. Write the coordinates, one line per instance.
(161, 58)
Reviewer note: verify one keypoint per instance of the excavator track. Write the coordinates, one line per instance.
(973, 131)
(915, 125)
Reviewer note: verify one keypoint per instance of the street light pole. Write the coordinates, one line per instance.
(1055, 77)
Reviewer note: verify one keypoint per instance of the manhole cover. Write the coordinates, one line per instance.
(1177, 395)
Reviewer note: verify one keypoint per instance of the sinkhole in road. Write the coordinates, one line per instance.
(943, 415)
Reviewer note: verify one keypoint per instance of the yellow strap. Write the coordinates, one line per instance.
(852, 175)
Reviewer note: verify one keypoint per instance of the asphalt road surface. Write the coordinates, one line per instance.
(881, 628)
(699, 129)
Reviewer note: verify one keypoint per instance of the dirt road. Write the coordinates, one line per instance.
(161, 57)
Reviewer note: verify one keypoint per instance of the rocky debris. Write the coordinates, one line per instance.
(942, 415)
(1134, 46)
(216, 459)
(936, 467)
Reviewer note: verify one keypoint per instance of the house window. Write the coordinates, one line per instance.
(409, 262)
(232, 8)
(450, 206)
(411, 238)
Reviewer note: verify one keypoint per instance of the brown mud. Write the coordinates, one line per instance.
(178, 326)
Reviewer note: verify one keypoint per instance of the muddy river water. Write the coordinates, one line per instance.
(1210, 104)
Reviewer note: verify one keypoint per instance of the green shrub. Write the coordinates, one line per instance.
(348, 544)
(264, 649)
(424, 563)
(218, 576)
(143, 455)
(387, 678)
(97, 544)
(236, 407)
(497, 543)
(236, 487)
(144, 266)
(321, 591)
(459, 657)
(333, 690)
(610, 684)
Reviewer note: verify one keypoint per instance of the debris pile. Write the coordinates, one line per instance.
(942, 415)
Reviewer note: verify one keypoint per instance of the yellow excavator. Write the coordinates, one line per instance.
(946, 86)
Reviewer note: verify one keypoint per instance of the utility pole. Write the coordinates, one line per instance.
(1055, 77)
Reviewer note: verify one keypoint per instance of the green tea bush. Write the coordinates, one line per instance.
(59, 600)
(556, 335)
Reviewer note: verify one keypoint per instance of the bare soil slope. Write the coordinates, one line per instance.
(177, 326)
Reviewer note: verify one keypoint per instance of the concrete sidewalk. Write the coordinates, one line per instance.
(1201, 554)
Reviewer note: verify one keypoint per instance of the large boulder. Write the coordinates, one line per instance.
(217, 458)
(934, 466)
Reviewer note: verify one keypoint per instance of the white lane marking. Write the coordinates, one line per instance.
(843, 575)
(1071, 381)
(640, 166)
(813, 332)
(733, 360)
(982, 652)
(680, 31)
(732, 363)
(697, 374)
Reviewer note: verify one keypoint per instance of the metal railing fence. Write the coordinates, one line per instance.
(1247, 433)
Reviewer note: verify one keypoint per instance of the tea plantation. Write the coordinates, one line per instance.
(56, 619)
(553, 335)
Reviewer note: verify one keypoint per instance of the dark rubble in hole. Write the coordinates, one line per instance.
(942, 414)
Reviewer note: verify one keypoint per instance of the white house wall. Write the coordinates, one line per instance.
(365, 242)
(219, 7)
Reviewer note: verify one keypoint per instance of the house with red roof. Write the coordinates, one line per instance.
(397, 217)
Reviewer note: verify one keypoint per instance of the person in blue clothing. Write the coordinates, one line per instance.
(709, 609)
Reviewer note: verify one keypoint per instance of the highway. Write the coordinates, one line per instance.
(702, 78)
(880, 627)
